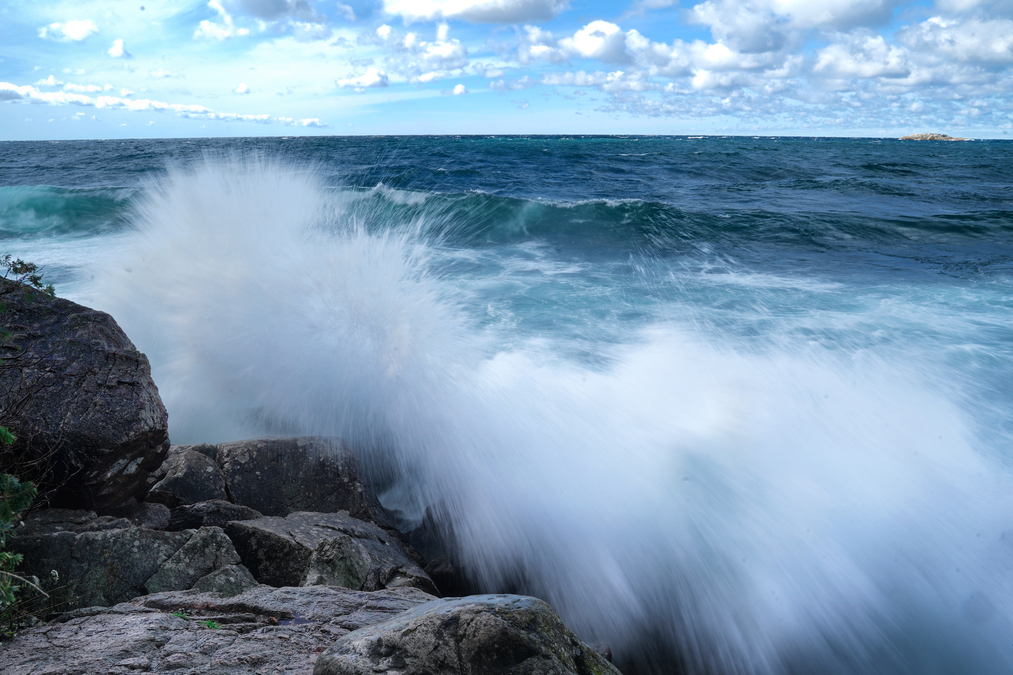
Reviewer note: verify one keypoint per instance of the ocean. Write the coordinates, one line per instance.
(731, 404)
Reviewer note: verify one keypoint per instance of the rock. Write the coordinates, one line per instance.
(203, 553)
(284, 475)
(144, 636)
(481, 634)
(215, 512)
(229, 581)
(48, 521)
(602, 648)
(305, 549)
(99, 567)
(448, 579)
(91, 405)
(190, 477)
(932, 137)
(348, 609)
(145, 514)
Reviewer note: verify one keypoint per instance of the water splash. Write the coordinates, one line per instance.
(704, 507)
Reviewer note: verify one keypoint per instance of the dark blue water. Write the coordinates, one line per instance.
(732, 404)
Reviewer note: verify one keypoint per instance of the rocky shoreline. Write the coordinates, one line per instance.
(268, 555)
(932, 137)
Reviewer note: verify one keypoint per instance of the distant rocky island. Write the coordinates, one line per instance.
(932, 137)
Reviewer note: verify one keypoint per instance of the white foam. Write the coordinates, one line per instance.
(763, 511)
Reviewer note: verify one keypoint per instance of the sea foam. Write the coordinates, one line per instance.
(703, 507)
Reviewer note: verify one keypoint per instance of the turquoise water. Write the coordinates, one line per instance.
(731, 404)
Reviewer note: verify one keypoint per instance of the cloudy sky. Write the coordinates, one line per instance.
(153, 68)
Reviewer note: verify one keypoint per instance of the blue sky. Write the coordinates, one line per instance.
(154, 68)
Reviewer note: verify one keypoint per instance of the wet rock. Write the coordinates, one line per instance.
(203, 553)
(228, 581)
(190, 477)
(305, 549)
(264, 630)
(215, 512)
(89, 401)
(280, 476)
(501, 634)
(448, 579)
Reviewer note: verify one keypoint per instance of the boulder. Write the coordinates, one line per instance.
(190, 477)
(479, 635)
(102, 567)
(79, 396)
(203, 553)
(264, 630)
(279, 476)
(305, 549)
(154, 516)
(210, 513)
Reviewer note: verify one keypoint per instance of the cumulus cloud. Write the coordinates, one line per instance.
(210, 30)
(118, 50)
(241, 89)
(418, 60)
(30, 94)
(866, 56)
(459, 89)
(476, 11)
(70, 31)
(373, 77)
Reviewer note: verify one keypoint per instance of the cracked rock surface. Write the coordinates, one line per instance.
(264, 630)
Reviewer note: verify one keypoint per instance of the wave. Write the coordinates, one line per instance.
(41, 210)
(705, 508)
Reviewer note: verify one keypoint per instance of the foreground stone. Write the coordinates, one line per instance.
(477, 635)
(306, 549)
(264, 630)
(273, 476)
(109, 566)
(77, 389)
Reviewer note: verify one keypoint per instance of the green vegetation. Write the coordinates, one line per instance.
(210, 624)
(15, 495)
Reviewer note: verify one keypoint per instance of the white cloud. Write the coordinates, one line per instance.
(159, 73)
(29, 94)
(459, 89)
(118, 51)
(477, 11)
(241, 89)
(865, 56)
(967, 41)
(209, 30)
(70, 31)
(373, 77)
(48, 82)
(421, 61)
(599, 40)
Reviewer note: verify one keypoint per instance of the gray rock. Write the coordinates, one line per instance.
(190, 477)
(305, 549)
(101, 567)
(133, 637)
(145, 514)
(91, 402)
(229, 581)
(478, 635)
(216, 512)
(48, 521)
(203, 553)
(284, 475)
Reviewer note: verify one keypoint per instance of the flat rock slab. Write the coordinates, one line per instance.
(306, 549)
(262, 631)
(476, 635)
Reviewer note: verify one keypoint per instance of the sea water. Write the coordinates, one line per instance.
(733, 405)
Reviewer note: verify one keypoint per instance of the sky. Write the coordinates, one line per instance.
(155, 68)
